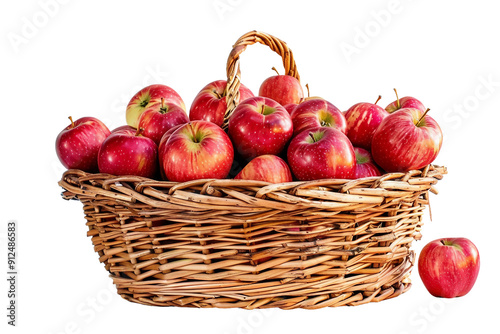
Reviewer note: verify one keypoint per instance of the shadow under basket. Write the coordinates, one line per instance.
(247, 244)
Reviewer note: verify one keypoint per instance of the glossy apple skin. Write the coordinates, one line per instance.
(365, 166)
(268, 168)
(283, 89)
(164, 139)
(449, 267)
(329, 156)
(254, 133)
(125, 152)
(210, 103)
(405, 102)
(159, 118)
(399, 145)
(197, 150)
(317, 112)
(77, 145)
(147, 97)
(362, 121)
(162, 146)
(290, 107)
(124, 127)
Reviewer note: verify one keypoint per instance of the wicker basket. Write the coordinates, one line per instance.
(247, 244)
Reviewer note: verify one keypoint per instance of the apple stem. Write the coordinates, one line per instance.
(308, 93)
(397, 99)
(262, 109)
(163, 108)
(275, 70)
(379, 97)
(72, 123)
(422, 117)
(139, 131)
(192, 132)
(312, 137)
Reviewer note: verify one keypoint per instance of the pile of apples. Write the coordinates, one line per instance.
(277, 136)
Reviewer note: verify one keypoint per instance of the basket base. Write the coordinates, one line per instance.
(308, 293)
(283, 302)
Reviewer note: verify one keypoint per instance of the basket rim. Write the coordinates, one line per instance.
(431, 170)
(231, 194)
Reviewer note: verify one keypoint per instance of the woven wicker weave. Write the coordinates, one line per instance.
(247, 244)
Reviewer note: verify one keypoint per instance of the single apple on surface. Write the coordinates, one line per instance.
(405, 140)
(365, 166)
(449, 267)
(159, 118)
(362, 120)
(317, 112)
(259, 126)
(197, 150)
(210, 103)
(128, 152)
(77, 145)
(321, 153)
(147, 97)
(283, 89)
(405, 102)
(269, 168)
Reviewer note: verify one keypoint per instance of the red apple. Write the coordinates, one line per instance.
(147, 97)
(260, 126)
(292, 229)
(159, 118)
(162, 146)
(405, 102)
(197, 150)
(78, 144)
(283, 89)
(405, 140)
(210, 103)
(289, 107)
(315, 112)
(318, 229)
(128, 152)
(321, 153)
(365, 166)
(123, 127)
(449, 267)
(362, 120)
(269, 168)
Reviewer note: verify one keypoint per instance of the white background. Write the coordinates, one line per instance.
(87, 58)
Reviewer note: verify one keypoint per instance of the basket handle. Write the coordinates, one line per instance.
(232, 91)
